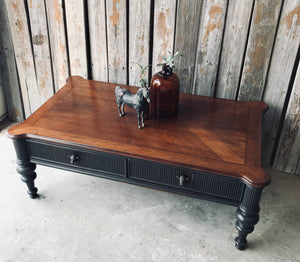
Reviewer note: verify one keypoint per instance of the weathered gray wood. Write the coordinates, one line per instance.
(40, 41)
(187, 27)
(209, 46)
(234, 44)
(163, 31)
(3, 108)
(258, 55)
(9, 70)
(282, 63)
(288, 152)
(98, 41)
(139, 36)
(116, 39)
(57, 36)
(298, 168)
(76, 37)
(23, 54)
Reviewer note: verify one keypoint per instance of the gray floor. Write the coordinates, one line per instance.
(84, 218)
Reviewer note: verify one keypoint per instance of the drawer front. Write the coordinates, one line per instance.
(185, 179)
(78, 157)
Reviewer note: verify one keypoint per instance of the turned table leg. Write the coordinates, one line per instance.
(247, 215)
(25, 168)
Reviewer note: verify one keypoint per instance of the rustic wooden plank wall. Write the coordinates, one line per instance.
(210, 37)
(243, 50)
(76, 37)
(116, 19)
(8, 70)
(234, 46)
(41, 49)
(58, 43)
(283, 62)
(139, 38)
(98, 39)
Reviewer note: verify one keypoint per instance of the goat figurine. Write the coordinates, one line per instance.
(124, 96)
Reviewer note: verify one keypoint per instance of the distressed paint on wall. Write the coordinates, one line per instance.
(233, 49)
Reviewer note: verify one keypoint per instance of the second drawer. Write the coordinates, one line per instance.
(186, 179)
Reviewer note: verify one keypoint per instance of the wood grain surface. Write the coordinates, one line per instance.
(233, 49)
(116, 41)
(281, 68)
(41, 49)
(187, 26)
(9, 70)
(163, 31)
(209, 46)
(259, 49)
(287, 157)
(98, 39)
(23, 55)
(139, 38)
(76, 37)
(208, 134)
(58, 42)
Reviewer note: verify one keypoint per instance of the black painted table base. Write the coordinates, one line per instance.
(247, 213)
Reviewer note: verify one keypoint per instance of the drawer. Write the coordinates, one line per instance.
(186, 179)
(77, 157)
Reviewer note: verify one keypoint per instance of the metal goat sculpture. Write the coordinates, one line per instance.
(124, 96)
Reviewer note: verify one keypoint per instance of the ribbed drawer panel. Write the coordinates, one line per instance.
(211, 184)
(86, 159)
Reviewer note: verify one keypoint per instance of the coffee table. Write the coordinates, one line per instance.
(210, 150)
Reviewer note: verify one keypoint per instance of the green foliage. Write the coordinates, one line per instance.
(169, 59)
(144, 70)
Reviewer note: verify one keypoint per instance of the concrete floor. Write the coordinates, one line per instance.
(84, 218)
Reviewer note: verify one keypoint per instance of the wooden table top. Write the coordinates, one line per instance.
(208, 134)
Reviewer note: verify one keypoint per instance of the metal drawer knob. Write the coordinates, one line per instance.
(73, 159)
(182, 179)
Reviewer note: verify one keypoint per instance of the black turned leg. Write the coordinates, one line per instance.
(25, 168)
(247, 215)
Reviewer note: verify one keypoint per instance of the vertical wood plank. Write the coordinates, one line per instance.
(3, 107)
(283, 58)
(234, 44)
(209, 46)
(23, 53)
(76, 37)
(117, 41)
(288, 152)
(258, 55)
(9, 73)
(98, 41)
(139, 34)
(187, 27)
(40, 41)
(163, 31)
(56, 27)
(298, 168)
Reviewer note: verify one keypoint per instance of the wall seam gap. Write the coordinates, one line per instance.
(30, 38)
(285, 106)
(245, 52)
(214, 93)
(272, 51)
(193, 89)
(151, 31)
(66, 35)
(106, 42)
(50, 52)
(127, 42)
(87, 40)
